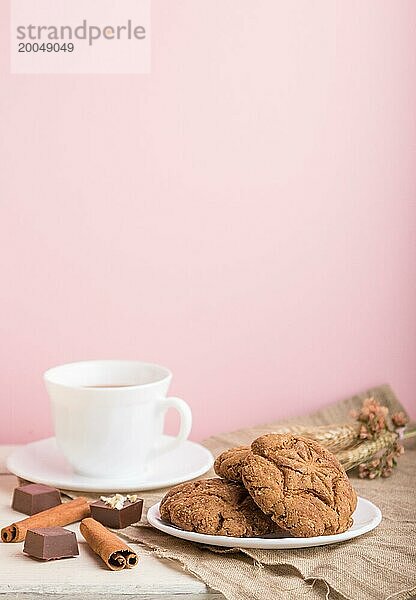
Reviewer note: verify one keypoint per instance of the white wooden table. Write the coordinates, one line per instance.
(86, 576)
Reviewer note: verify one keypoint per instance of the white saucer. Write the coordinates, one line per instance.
(43, 462)
(366, 517)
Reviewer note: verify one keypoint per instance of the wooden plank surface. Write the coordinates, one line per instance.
(86, 576)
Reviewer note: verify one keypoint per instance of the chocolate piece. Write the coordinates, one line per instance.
(114, 517)
(50, 543)
(34, 497)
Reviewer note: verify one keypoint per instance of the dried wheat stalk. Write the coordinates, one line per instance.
(365, 451)
(333, 437)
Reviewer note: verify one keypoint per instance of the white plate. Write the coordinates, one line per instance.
(366, 517)
(43, 462)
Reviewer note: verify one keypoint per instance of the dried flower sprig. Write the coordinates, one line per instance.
(376, 421)
(372, 419)
(399, 419)
(382, 463)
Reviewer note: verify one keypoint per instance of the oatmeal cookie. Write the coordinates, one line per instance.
(215, 507)
(228, 464)
(299, 484)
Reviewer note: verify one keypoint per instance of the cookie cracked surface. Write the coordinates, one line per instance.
(215, 507)
(229, 463)
(299, 484)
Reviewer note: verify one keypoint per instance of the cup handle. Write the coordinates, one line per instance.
(184, 428)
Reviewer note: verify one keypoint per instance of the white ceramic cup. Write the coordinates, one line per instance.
(113, 432)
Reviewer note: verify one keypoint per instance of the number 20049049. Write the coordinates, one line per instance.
(48, 47)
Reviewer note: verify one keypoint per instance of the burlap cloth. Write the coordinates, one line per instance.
(375, 566)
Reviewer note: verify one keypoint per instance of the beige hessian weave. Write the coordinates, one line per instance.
(376, 566)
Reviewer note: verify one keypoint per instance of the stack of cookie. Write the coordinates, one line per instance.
(282, 484)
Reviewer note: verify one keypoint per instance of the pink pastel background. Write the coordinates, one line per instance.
(245, 214)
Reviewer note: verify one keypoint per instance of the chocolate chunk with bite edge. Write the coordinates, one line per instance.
(33, 498)
(50, 543)
(114, 517)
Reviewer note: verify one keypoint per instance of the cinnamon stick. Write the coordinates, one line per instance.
(114, 552)
(60, 515)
